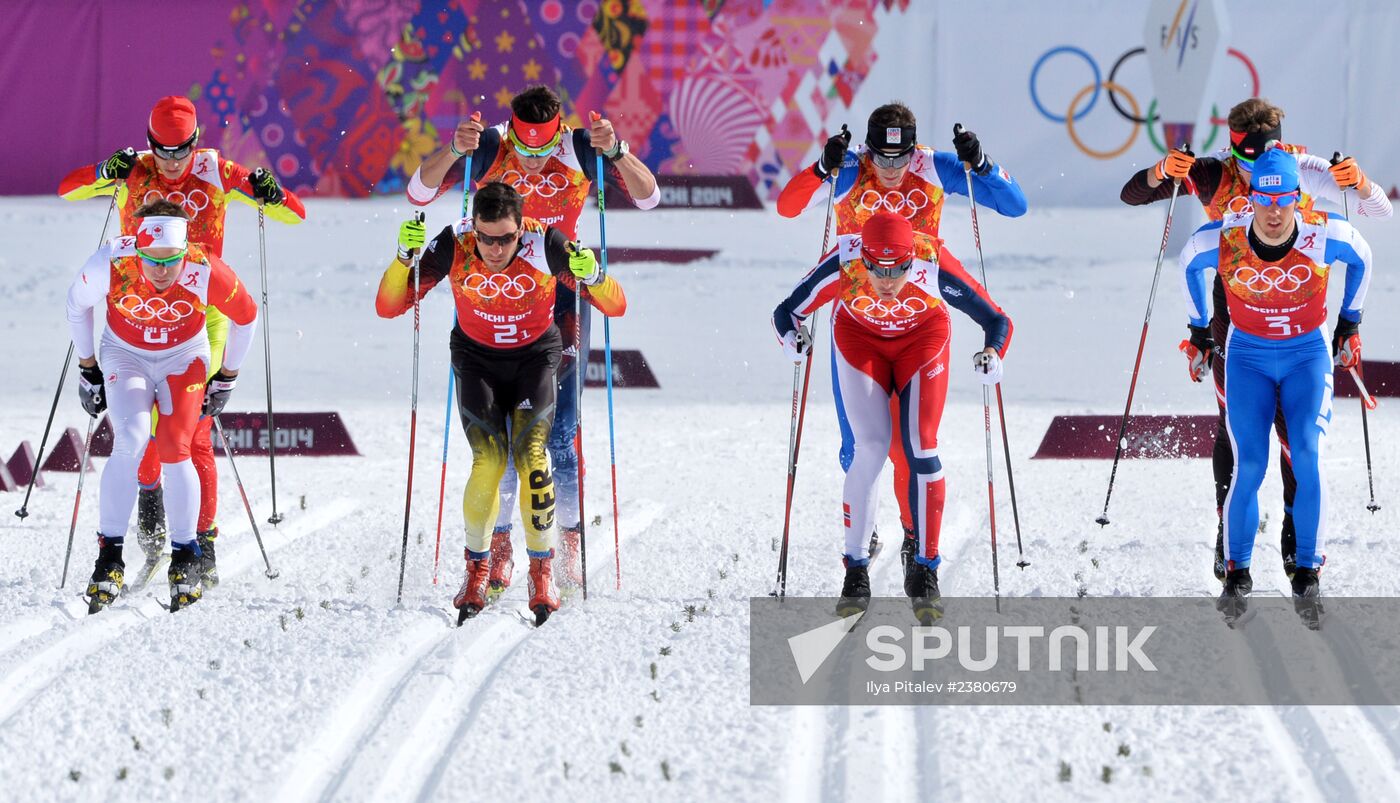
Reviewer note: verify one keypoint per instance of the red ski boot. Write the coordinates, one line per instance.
(471, 597)
(502, 566)
(569, 553)
(544, 597)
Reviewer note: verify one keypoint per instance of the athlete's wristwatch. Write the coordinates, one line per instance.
(619, 150)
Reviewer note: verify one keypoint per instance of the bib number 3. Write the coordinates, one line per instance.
(1281, 326)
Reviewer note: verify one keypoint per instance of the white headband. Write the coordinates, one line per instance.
(162, 232)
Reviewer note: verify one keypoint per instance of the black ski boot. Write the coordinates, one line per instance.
(855, 592)
(921, 586)
(1220, 551)
(1233, 601)
(208, 570)
(108, 576)
(184, 571)
(908, 549)
(1306, 601)
(1288, 545)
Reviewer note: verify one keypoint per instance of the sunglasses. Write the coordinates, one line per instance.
(527, 151)
(891, 162)
(161, 261)
(498, 239)
(887, 271)
(176, 153)
(1275, 199)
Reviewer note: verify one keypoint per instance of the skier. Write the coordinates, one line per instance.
(890, 335)
(1273, 262)
(892, 172)
(503, 269)
(552, 166)
(1221, 183)
(155, 286)
(201, 182)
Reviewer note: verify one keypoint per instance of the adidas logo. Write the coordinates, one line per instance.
(525, 405)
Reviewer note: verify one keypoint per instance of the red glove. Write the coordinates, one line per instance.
(1348, 174)
(1176, 166)
(1199, 351)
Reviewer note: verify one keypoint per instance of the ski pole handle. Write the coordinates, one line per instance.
(1366, 397)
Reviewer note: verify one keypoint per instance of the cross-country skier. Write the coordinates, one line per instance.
(1273, 262)
(202, 183)
(504, 270)
(891, 172)
(552, 166)
(890, 335)
(155, 286)
(1221, 183)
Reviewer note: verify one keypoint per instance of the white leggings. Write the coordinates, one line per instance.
(134, 382)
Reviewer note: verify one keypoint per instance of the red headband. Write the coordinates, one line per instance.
(534, 135)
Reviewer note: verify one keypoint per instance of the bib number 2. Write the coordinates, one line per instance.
(507, 333)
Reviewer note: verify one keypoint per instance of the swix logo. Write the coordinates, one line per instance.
(1307, 241)
(949, 290)
(935, 371)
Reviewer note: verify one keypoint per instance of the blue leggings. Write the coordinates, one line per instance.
(1296, 374)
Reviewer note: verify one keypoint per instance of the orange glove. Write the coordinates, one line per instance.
(1176, 166)
(1348, 175)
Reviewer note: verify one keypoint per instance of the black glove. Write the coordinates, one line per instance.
(834, 152)
(266, 188)
(1343, 331)
(970, 150)
(217, 391)
(118, 165)
(91, 391)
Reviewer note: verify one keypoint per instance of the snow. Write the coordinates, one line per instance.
(316, 686)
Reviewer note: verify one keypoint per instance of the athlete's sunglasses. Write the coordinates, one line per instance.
(498, 239)
(887, 271)
(534, 153)
(176, 153)
(161, 261)
(891, 162)
(1275, 199)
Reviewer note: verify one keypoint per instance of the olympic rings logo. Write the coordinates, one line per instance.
(155, 309)
(193, 202)
(901, 309)
(1114, 89)
(541, 184)
(894, 201)
(491, 286)
(1273, 277)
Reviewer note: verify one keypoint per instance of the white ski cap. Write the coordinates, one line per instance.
(162, 232)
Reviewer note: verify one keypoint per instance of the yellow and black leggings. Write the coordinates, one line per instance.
(496, 386)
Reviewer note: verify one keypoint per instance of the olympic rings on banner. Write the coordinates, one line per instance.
(155, 309)
(903, 308)
(1273, 278)
(1116, 93)
(491, 286)
(894, 201)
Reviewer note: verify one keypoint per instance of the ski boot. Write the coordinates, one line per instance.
(908, 549)
(502, 564)
(1288, 545)
(471, 597)
(150, 531)
(921, 586)
(569, 554)
(208, 570)
(1219, 566)
(108, 575)
(1306, 602)
(1234, 597)
(185, 565)
(544, 597)
(855, 591)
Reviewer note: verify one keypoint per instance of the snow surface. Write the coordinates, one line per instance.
(315, 686)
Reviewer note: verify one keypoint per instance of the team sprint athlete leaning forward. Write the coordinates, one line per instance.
(155, 286)
(503, 269)
(890, 336)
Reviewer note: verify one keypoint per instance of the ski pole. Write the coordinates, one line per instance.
(23, 511)
(607, 366)
(801, 376)
(1102, 520)
(252, 520)
(82, 475)
(579, 350)
(275, 518)
(1021, 561)
(412, 422)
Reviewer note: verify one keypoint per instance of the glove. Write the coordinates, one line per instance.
(834, 152)
(216, 392)
(118, 165)
(797, 343)
(1177, 166)
(412, 235)
(1347, 174)
(969, 149)
(1200, 352)
(1346, 344)
(467, 135)
(583, 264)
(91, 390)
(266, 188)
(988, 367)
